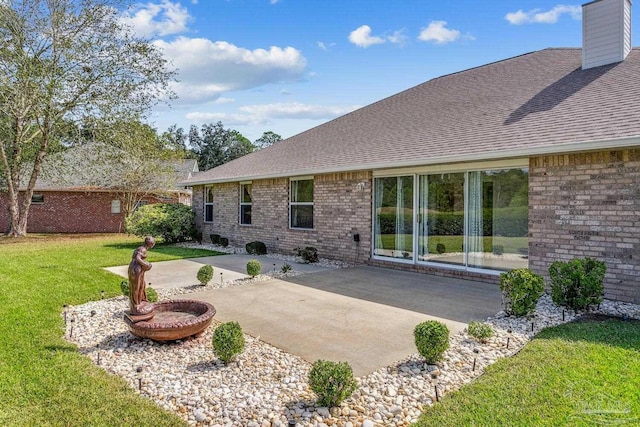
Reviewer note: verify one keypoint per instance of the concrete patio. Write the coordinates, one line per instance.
(363, 315)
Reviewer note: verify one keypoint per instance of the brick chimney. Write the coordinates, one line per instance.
(606, 32)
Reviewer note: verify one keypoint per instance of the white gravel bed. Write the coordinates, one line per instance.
(266, 387)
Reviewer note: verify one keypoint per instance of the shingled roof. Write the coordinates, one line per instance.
(538, 103)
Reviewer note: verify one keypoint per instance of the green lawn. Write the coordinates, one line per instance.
(577, 374)
(43, 379)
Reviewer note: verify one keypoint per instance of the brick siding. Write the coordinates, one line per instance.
(342, 208)
(588, 205)
(70, 212)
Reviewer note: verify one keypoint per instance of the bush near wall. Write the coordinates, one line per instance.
(171, 222)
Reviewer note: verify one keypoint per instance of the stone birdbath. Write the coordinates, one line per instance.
(167, 320)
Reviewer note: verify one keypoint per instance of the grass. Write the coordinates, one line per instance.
(578, 374)
(44, 381)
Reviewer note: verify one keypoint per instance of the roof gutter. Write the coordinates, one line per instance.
(598, 145)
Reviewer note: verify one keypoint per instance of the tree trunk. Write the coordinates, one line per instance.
(17, 222)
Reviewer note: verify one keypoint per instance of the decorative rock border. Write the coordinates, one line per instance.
(266, 387)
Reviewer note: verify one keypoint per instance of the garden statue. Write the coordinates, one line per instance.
(166, 320)
(139, 307)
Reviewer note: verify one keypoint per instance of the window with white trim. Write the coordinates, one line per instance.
(115, 206)
(301, 204)
(208, 204)
(245, 204)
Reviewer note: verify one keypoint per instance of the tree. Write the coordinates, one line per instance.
(175, 139)
(61, 62)
(214, 145)
(268, 138)
(128, 158)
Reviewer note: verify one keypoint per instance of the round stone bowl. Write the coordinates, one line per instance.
(174, 320)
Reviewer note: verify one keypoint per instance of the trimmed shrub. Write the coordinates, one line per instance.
(228, 341)
(152, 295)
(578, 283)
(215, 238)
(521, 290)
(124, 287)
(480, 331)
(432, 340)
(441, 248)
(172, 222)
(253, 267)
(333, 382)
(196, 236)
(205, 274)
(285, 268)
(308, 254)
(256, 248)
(224, 242)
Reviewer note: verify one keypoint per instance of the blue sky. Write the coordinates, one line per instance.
(289, 65)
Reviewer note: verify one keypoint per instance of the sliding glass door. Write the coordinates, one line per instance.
(498, 219)
(471, 219)
(393, 227)
(441, 219)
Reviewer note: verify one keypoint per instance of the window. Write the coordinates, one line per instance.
(115, 206)
(394, 217)
(37, 199)
(245, 204)
(301, 204)
(208, 204)
(475, 219)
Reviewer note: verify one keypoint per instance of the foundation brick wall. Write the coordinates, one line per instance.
(69, 212)
(342, 208)
(588, 205)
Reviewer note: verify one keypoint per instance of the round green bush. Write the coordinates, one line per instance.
(253, 267)
(432, 340)
(333, 382)
(173, 222)
(578, 283)
(256, 248)
(228, 341)
(480, 331)
(308, 254)
(124, 287)
(152, 295)
(205, 274)
(521, 290)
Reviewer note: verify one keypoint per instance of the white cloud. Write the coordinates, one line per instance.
(223, 100)
(226, 118)
(208, 69)
(274, 1)
(362, 37)
(262, 114)
(157, 19)
(296, 110)
(537, 16)
(325, 46)
(437, 32)
(398, 37)
(285, 92)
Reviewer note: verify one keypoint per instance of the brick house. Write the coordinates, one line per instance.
(69, 201)
(512, 164)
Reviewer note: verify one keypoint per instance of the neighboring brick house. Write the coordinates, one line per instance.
(73, 203)
(513, 164)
